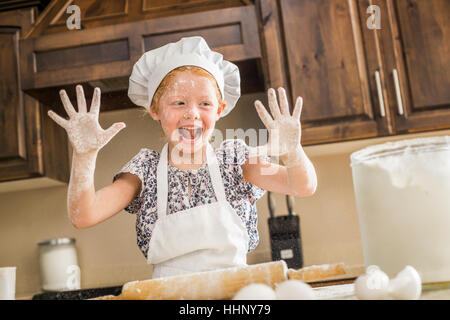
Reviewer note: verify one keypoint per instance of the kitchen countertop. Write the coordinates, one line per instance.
(346, 292)
(28, 296)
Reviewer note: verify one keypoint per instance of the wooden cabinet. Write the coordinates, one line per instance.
(100, 13)
(104, 51)
(325, 51)
(31, 145)
(416, 38)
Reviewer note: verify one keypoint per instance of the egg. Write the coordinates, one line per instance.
(255, 291)
(374, 285)
(407, 285)
(294, 290)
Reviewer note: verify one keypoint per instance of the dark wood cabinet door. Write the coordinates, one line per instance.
(30, 144)
(12, 139)
(16, 159)
(419, 56)
(332, 66)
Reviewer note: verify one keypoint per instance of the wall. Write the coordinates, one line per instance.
(108, 254)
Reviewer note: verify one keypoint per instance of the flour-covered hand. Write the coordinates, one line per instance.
(284, 129)
(83, 129)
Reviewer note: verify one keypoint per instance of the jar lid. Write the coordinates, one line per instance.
(400, 147)
(56, 242)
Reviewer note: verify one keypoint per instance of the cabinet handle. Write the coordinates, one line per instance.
(398, 92)
(380, 93)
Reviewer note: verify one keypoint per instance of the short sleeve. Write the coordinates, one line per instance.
(236, 152)
(138, 166)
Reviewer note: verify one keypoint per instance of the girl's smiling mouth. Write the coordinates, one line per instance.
(190, 134)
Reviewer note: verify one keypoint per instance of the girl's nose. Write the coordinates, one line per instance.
(192, 112)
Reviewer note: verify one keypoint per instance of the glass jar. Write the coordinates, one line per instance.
(59, 265)
(402, 193)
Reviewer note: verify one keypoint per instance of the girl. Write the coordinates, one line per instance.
(195, 206)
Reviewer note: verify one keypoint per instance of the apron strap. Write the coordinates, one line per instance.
(214, 173)
(162, 178)
(162, 183)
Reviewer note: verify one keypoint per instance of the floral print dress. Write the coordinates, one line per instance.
(241, 195)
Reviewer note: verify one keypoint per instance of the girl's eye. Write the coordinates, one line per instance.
(179, 103)
(205, 104)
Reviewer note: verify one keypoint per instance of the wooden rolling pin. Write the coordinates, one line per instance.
(217, 285)
(222, 284)
(317, 272)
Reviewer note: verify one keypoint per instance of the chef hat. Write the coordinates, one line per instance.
(154, 65)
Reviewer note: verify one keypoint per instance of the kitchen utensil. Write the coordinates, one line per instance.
(59, 265)
(284, 233)
(8, 283)
(317, 272)
(217, 284)
(402, 193)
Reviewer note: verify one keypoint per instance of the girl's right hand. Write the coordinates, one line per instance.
(83, 128)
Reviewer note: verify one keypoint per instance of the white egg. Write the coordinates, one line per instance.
(294, 290)
(255, 291)
(407, 285)
(374, 285)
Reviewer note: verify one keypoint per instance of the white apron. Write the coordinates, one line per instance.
(203, 238)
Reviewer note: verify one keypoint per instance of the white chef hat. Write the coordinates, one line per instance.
(154, 65)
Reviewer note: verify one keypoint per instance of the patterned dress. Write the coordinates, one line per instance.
(241, 195)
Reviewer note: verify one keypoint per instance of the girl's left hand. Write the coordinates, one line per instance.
(284, 129)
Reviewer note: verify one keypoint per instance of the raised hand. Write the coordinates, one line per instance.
(82, 127)
(284, 128)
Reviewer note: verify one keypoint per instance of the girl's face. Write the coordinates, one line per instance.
(188, 110)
